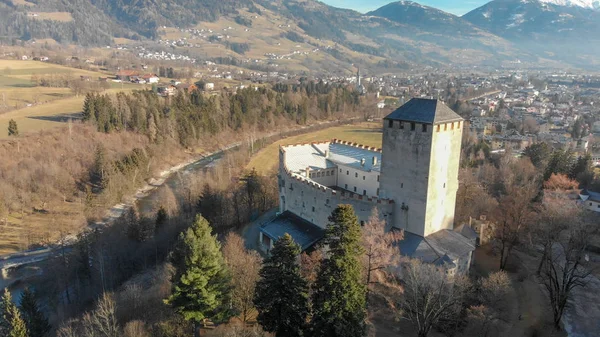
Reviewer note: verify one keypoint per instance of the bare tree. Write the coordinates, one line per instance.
(430, 295)
(379, 246)
(555, 216)
(102, 321)
(245, 267)
(135, 329)
(563, 268)
(513, 216)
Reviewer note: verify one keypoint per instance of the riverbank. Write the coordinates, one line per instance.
(152, 184)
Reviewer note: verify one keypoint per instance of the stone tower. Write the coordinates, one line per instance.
(419, 165)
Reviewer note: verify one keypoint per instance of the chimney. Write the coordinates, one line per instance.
(374, 160)
(308, 172)
(362, 162)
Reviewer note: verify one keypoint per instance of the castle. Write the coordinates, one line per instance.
(412, 182)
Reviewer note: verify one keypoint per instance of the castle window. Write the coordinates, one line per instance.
(401, 125)
(391, 123)
(401, 185)
(326, 201)
(356, 175)
(333, 172)
(445, 127)
(377, 192)
(328, 173)
(444, 185)
(347, 173)
(318, 174)
(313, 209)
(345, 186)
(424, 127)
(364, 192)
(303, 205)
(340, 170)
(437, 128)
(354, 188)
(377, 178)
(412, 126)
(363, 177)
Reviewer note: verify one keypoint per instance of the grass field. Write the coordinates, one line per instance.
(39, 108)
(365, 133)
(54, 16)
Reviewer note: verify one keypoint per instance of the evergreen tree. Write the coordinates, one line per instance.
(37, 324)
(13, 129)
(11, 323)
(133, 226)
(281, 296)
(89, 107)
(339, 297)
(161, 219)
(201, 281)
(100, 168)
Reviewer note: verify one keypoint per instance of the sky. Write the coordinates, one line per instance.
(458, 7)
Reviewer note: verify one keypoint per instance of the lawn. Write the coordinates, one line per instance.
(364, 133)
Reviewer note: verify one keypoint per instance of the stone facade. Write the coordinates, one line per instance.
(419, 171)
(412, 181)
(314, 201)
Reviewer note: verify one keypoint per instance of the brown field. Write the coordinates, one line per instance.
(54, 16)
(363, 133)
(39, 108)
(22, 3)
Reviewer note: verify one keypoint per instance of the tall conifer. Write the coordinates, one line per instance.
(282, 294)
(201, 281)
(37, 324)
(11, 323)
(339, 296)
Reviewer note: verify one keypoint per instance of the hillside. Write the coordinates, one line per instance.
(569, 33)
(302, 35)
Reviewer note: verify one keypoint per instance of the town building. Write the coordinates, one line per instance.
(412, 183)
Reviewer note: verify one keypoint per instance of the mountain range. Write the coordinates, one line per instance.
(533, 32)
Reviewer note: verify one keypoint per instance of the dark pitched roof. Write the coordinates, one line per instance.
(303, 232)
(422, 110)
(593, 196)
(435, 248)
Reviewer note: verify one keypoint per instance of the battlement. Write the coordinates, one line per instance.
(334, 141)
(357, 145)
(282, 147)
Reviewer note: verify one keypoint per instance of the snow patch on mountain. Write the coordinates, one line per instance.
(592, 4)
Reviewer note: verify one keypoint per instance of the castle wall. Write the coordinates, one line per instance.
(315, 202)
(358, 181)
(404, 177)
(443, 177)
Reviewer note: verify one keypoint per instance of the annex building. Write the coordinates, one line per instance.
(412, 182)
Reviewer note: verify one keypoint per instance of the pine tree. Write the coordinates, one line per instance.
(11, 323)
(89, 107)
(161, 219)
(201, 281)
(37, 324)
(13, 129)
(281, 296)
(133, 225)
(339, 297)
